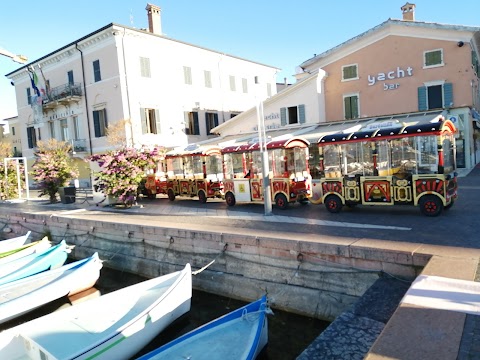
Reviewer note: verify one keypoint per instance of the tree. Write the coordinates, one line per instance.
(53, 167)
(123, 170)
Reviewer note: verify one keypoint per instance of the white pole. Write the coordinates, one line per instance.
(267, 194)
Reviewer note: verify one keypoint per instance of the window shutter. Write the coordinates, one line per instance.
(354, 105)
(301, 114)
(157, 122)
(283, 116)
(96, 124)
(215, 119)
(348, 108)
(422, 98)
(29, 137)
(143, 120)
(447, 95)
(196, 128)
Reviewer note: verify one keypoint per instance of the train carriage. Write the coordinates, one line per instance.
(289, 175)
(195, 171)
(403, 165)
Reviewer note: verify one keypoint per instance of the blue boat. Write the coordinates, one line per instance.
(241, 334)
(35, 263)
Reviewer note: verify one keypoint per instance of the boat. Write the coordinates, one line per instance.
(21, 296)
(13, 243)
(116, 325)
(240, 334)
(34, 263)
(33, 247)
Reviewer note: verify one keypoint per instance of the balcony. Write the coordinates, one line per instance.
(79, 146)
(62, 95)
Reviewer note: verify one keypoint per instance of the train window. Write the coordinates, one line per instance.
(332, 160)
(448, 154)
(427, 154)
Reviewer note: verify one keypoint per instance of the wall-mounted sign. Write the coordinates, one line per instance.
(390, 75)
(272, 116)
(382, 125)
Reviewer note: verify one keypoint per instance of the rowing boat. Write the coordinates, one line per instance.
(21, 296)
(239, 335)
(13, 243)
(113, 326)
(50, 258)
(24, 250)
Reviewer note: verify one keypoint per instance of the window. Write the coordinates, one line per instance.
(433, 58)
(51, 127)
(351, 107)
(232, 83)
(192, 124)
(31, 137)
(145, 67)
(29, 96)
(64, 130)
(269, 89)
(244, 86)
(70, 77)
(211, 121)
(208, 78)
(13, 131)
(435, 95)
(96, 71)
(100, 122)
(150, 121)
(187, 75)
(76, 128)
(350, 72)
(292, 115)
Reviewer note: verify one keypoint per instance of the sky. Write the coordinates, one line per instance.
(278, 33)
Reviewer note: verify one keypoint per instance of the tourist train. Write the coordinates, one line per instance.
(385, 164)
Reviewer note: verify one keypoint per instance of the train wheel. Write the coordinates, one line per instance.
(202, 197)
(333, 203)
(230, 199)
(430, 205)
(171, 195)
(281, 201)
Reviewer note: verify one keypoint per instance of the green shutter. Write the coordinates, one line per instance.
(354, 105)
(96, 124)
(348, 108)
(215, 119)
(422, 98)
(196, 127)
(301, 114)
(447, 95)
(143, 120)
(283, 116)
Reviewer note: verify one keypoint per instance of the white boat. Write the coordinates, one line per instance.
(113, 326)
(10, 244)
(34, 247)
(21, 296)
(239, 335)
(35, 263)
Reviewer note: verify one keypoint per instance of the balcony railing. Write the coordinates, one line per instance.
(63, 94)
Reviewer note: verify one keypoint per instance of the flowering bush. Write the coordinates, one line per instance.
(9, 184)
(123, 170)
(53, 167)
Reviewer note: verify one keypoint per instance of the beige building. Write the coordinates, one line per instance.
(14, 136)
(395, 70)
(170, 93)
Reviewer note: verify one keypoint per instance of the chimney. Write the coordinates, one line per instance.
(408, 11)
(154, 19)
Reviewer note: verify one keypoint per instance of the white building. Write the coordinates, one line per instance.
(170, 93)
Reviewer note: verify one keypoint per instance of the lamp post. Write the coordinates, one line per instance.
(267, 194)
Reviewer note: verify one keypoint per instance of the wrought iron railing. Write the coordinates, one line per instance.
(63, 92)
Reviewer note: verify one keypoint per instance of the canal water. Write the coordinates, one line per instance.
(288, 334)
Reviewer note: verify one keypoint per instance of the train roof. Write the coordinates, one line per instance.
(271, 144)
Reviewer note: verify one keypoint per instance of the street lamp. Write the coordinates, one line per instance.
(22, 59)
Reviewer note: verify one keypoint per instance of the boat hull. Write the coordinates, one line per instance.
(239, 335)
(113, 326)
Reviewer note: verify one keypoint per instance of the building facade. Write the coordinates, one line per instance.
(398, 68)
(159, 91)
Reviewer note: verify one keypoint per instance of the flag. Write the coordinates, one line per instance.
(34, 80)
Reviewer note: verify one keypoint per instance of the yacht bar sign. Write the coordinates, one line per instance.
(397, 73)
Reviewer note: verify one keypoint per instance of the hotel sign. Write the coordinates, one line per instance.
(398, 73)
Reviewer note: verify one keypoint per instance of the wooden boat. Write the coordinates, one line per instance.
(241, 334)
(13, 243)
(34, 263)
(113, 326)
(33, 247)
(21, 296)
